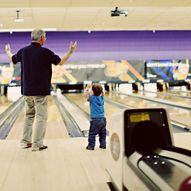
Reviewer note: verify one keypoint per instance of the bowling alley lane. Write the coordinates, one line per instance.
(179, 93)
(5, 102)
(176, 114)
(79, 100)
(179, 115)
(163, 96)
(55, 127)
(180, 139)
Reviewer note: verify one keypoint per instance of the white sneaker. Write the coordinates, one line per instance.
(35, 148)
(39, 148)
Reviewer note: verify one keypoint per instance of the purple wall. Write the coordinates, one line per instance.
(109, 45)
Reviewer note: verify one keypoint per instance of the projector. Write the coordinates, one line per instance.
(117, 12)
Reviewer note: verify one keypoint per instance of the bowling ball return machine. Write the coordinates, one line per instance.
(142, 155)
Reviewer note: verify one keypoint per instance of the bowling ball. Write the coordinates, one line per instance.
(186, 185)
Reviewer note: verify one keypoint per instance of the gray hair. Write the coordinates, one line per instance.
(36, 34)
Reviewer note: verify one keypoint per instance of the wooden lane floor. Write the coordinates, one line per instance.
(5, 102)
(181, 139)
(55, 127)
(79, 100)
(167, 97)
(65, 165)
(176, 114)
(179, 93)
(176, 93)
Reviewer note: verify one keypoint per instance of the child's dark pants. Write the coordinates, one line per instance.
(97, 126)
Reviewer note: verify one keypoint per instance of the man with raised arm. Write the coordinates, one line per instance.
(36, 71)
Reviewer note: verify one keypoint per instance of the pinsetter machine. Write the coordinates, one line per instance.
(142, 155)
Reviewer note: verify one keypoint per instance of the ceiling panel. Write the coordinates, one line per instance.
(91, 3)
(95, 15)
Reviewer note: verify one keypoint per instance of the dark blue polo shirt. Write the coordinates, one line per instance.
(36, 69)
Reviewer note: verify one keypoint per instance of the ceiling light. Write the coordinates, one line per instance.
(49, 29)
(18, 20)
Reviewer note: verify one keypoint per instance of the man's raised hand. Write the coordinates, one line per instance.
(7, 48)
(73, 46)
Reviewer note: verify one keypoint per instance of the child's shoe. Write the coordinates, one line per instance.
(89, 148)
(102, 147)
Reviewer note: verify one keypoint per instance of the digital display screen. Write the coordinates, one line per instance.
(138, 117)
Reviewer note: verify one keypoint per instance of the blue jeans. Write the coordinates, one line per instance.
(97, 126)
